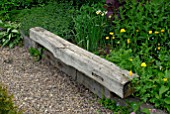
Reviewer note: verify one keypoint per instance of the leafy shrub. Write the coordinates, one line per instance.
(11, 7)
(6, 6)
(9, 34)
(80, 3)
(36, 53)
(6, 102)
(143, 28)
(55, 17)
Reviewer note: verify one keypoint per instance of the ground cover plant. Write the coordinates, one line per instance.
(12, 7)
(55, 17)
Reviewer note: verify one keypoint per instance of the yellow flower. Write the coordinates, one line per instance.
(137, 30)
(130, 73)
(111, 33)
(131, 59)
(122, 30)
(113, 37)
(159, 48)
(143, 64)
(128, 41)
(162, 30)
(165, 79)
(107, 37)
(156, 32)
(150, 32)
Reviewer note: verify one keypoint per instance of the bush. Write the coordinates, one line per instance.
(9, 34)
(55, 17)
(6, 103)
(80, 3)
(11, 7)
(142, 28)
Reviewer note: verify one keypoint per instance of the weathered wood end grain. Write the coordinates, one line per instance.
(104, 72)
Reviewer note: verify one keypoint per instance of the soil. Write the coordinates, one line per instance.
(39, 88)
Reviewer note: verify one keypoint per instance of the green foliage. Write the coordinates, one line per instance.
(55, 17)
(145, 23)
(11, 7)
(153, 82)
(137, 39)
(9, 34)
(36, 53)
(141, 32)
(6, 102)
(80, 3)
(116, 57)
(89, 27)
(6, 7)
(128, 108)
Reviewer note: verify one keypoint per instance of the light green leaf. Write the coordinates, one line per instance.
(8, 29)
(15, 31)
(146, 111)
(157, 96)
(167, 100)
(162, 90)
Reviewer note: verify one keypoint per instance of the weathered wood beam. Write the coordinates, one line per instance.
(104, 72)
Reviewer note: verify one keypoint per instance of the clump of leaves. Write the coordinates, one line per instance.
(127, 108)
(9, 34)
(36, 53)
(89, 24)
(6, 102)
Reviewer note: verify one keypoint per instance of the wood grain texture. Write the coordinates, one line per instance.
(104, 72)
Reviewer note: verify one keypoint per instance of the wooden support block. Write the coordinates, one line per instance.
(70, 71)
(93, 86)
(28, 43)
(100, 70)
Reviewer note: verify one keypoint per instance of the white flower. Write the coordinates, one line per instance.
(102, 14)
(98, 12)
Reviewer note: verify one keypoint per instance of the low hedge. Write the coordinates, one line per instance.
(55, 17)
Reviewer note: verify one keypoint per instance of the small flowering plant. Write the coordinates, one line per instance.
(141, 34)
(135, 35)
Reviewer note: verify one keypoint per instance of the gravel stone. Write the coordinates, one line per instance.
(39, 88)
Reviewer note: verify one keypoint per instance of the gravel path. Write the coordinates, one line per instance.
(39, 88)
